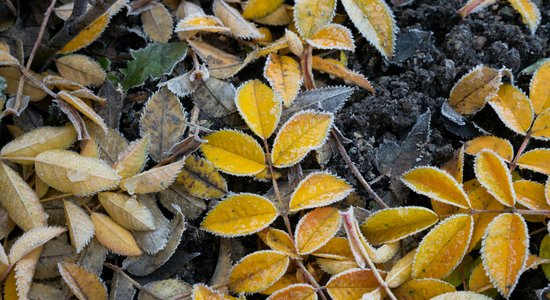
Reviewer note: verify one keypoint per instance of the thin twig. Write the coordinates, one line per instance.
(130, 279)
(521, 149)
(60, 196)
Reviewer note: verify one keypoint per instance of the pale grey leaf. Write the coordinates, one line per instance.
(112, 109)
(121, 288)
(330, 99)
(191, 206)
(93, 257)
(165, 289)
(152, 241)
(215, 97)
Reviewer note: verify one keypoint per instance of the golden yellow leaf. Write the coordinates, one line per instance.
(531, 194)
(455, 167)
(157, 23)
(127, 211)
(422, 289)
(541, 126)
(240, 214)
(257, 271)
(538, 90)
(234, 152)
(280, 284)
(479, 281)
(500, 146)
(255, 9)
(278, 17)
(20, 200)
(504, 251)
(493, 174)
(10, 289)
(39, 140)
(280, 241)
(303, 132)
(473, 90)
(443, 247)
(284, 76)
(82, 107)
(332, 36)
(113, 236)
(83, 283)
(70, 172)
(31, 240)
(482, 200)
(537, 160)
(462, 295)
(333, 266)
(6, 59)
(352, 284)
(259, 107)
(81, 69)
(337, 248)
(295, 44)
(529, 12)
(203, 292)
(335, 68)
(12, 76)
(192, 24)
(393, 224)
(319, 189)
(233, 19)
(513, 108)
(87, 35)
(89, 148)
(131, 161)
(295, 291)
(201, 179)
(154, 180)
(310, 15)
(316, 228)
(163, 119)
(220, 64)
(436, 184)
(61, 83)
(401, 271)
(81, 228)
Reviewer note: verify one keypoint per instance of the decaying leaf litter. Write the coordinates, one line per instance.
(127, 169)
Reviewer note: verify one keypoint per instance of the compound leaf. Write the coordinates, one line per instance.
(280, 241)
(295, 291)
(423, 289)
(401, 271)
(541, 126)
(513, 108)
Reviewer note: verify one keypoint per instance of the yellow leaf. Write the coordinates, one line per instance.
(72, 173)
(280, 284)
(114, 237)
(493, 174)
(87, 35)
(538, 90)
(436, 184)
(257, 271)
(192, 24)
(81, 69)
(529, 12)
(240, 214)
(303, 132)
(31, 240)
(337, 248)
(200, 178)
(335, 68)
(393, 224)
(422, 289)
(203, 292)
(20, 200)
(10, 289)
(81, 228)
(401, 271)
(333, 266)
(504, 251)
(154, 180)
(537, 160)
(319, 189)
(82, 107)
(6, 58)
(233, 19)
(127, 211)
(234, 152)
(39, 140)
(473, 90)
(83, 283)
(513, 108)
(500, 146)
(531, 194)
(332, 36)
(374, 20)
(443, 247)
(163, 119)
(284, 76)
(352, 284)
(455, 167)
(479, 281)
(310, 15)
(295, 291)
(316, 228)
(132, 160)
(259, 107)
(294, 43)
(279, 16)
(255, 9)
(220, 64)
(541, 126)
(280, 241)
(157, 23)
(462, 295)
(482, 200)
(12, 76)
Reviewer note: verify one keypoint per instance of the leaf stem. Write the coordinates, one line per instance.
(511, 210)
(130, 279)
(521, 149)
(60, 196)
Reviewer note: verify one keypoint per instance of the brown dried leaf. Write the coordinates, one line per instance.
(132, 160)
(83, 108)
(473, 90)
(33, 239)
(335, 68)
(154, 180)
(201, 179)
(127, 211)
(158, 23)
(84, 284)
(80, 68)
(113, 236)
(232, 19)
(152, 241)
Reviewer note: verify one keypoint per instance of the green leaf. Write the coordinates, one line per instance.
(152, 61)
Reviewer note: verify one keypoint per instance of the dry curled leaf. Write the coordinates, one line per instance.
(310, 15)
(127, 211)
(113, 236)
(154, 180)
(352, 284)
(257, 271)
(240, 214)
(537, 160)
(81, 228)
(72, 173)
(84, 284)
(31, 240)
(81, 69)
(513, 108)
(319, 189)
(234, 152)
(284, 76)
(192, 24)
(335, 68)
(157, 23)
(83, 108)
(233, 19)
(493, 174)
(473, 90)
(316, 228)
